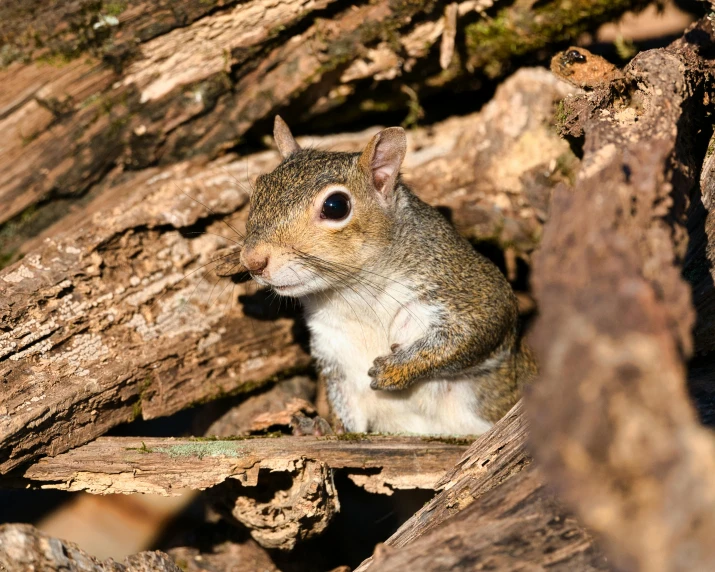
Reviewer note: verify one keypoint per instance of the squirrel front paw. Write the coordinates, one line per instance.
(388, 373)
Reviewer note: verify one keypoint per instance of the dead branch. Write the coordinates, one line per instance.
(165, 465)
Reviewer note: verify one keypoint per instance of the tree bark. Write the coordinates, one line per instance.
(166, 465)
(612, 424)
(94, 89)
(23, 548)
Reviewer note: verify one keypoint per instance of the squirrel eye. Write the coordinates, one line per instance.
(336, 207)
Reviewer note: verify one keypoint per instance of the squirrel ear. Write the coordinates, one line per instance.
(285, 142)
(382, 158)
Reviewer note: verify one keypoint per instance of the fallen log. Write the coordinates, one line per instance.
(613, 427)
(23, 548)
(517, 526)
(493, 510)
(95, 89)
(110, 317)
(491, 460)
(164, 466)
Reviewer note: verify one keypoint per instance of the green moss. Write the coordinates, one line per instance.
(560, 116)
(7, 258)
(12, 233)
(222, 448)
(55, 59)
(142, 449)
(414, 109)
(144, 387)
(711, 148)
(625, 48)
(521, 28)
(136, 409)
(458, 441)
(114, 8)
(352, 436)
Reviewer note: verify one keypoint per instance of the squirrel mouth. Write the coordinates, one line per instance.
(286, 288)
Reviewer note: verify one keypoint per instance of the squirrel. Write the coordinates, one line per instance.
(412, 330)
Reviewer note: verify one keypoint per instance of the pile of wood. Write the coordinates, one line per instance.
(115, 312)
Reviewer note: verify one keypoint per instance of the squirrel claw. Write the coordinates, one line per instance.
(380, 381)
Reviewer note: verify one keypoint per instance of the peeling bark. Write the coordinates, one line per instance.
(166, 465)
(96, 89)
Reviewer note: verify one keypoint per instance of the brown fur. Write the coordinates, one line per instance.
(393, 233)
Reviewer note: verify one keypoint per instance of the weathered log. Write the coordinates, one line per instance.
(516, 526)
(92, 89)
(492, 459)
(113, 319)
(493, 510)
(166, 465)
(613, 427)
(24, 548)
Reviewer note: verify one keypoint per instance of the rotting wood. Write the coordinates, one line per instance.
(491, 460)
(112, 320)
(96, 89)
(514, 527)
(23, 548)
(613, 427)
(278, 517)
(165, 465)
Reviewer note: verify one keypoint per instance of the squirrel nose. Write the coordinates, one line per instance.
(255, 262)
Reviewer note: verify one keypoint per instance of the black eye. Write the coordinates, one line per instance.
(336, 207)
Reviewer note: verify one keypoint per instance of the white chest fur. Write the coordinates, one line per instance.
(350, 329)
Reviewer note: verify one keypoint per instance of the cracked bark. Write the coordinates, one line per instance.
(612, 423)
(96, 89)
(166, 465)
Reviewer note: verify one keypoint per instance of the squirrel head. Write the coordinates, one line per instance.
(321, 217)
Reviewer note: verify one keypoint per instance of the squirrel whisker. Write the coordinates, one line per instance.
(323, 265)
